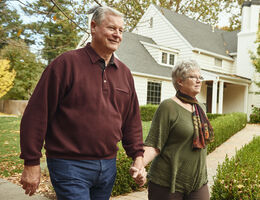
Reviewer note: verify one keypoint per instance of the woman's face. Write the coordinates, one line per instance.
(191, 84)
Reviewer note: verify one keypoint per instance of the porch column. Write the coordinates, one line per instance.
(220, 97)
(246, 102)
(214, 96)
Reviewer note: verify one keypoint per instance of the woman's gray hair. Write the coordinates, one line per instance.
(99, 13)
(181, 69)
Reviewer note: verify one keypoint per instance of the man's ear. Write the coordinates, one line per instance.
(93, 27)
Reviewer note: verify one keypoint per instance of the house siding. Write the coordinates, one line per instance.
(168, 90)
(171, 37)
(141, 89)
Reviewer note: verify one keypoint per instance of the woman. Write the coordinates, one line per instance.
(177, 141)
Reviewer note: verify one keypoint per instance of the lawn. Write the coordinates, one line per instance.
(10, 164)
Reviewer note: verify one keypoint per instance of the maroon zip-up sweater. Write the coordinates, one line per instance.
(81, 111)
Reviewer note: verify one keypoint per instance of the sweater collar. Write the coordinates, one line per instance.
(94, 57)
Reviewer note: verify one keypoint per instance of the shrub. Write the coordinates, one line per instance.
(255, 116)
(225, 126)
(147, 112)
(213, 116)
(238, 177)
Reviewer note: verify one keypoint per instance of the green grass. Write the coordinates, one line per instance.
(10, 163)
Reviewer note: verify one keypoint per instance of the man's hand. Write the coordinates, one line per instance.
(30, 179)
(138, 171)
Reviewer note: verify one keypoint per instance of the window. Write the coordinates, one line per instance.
(164, 57)
(171, 61)
(153, 92)
(168, 58)
(218, 62)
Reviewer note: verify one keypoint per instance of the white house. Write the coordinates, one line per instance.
(163, 37)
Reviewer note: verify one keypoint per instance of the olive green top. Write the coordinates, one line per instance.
(178, 166)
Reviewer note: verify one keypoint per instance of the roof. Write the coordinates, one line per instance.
(137, 58)
(200, 35)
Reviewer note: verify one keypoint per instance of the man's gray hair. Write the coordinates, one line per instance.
(99, 13)
(181, 69)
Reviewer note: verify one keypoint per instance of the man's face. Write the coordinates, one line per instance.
(108, 34)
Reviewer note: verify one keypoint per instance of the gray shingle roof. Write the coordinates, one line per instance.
(137, 58)
(200, 35)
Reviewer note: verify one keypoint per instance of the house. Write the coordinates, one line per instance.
(162, 37)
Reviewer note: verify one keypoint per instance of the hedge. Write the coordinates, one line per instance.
(224, 127)
(238, 177)
(255, 116)
(147, 112)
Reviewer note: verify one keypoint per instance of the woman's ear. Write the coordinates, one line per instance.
(179, 81)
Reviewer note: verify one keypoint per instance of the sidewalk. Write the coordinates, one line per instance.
(228, 148)
(10, 191)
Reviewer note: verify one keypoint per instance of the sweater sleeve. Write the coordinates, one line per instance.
(160, 128)
(39, 111)
(132, 128)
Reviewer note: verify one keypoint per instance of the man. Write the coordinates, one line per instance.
(84, 103)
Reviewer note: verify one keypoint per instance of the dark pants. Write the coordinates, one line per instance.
(82, 179)
(157, 192)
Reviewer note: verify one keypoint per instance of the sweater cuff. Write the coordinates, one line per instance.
(32, 162)
(139, 153)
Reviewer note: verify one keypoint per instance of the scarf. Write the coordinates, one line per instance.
(203, 132)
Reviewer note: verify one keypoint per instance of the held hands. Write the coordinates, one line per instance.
(139, 175)
(30, 179)
(138, 171)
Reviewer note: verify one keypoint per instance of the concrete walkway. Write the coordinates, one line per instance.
(10, 191)
(228, 148)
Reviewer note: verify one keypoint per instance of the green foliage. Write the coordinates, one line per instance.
(59, 34)
(225, 126)
(147, 112)
(27, 67)
(255, 116)
(10, 24)
(238, 177)
(124, 182)
(213, 116)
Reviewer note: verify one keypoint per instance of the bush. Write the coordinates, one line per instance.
(238, 178)
(213, 116)
(147, 112)
(225, 126)
(255, 116)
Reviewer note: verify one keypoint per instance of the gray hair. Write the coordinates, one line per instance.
(99, 13)
(181, 69)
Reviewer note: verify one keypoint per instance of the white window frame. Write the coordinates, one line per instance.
(168, 59)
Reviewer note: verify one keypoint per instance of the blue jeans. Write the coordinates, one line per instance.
(82, 179)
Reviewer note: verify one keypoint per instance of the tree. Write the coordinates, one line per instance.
(6, 77)
(10, 24)
(206, 11)
(58, 32)
(27, 67)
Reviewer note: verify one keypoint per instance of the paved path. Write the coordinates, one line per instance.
(228, 148)
(10, 191)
